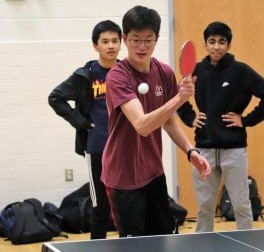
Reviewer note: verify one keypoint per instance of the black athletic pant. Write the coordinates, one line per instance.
(100, 213)
(143, 211)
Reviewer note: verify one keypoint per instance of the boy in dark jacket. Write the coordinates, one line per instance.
(223, 90)
(87, 87)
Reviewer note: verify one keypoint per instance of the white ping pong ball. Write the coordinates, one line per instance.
(143, 88)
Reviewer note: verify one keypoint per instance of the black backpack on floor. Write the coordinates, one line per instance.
(76, 209)
(254, 198)
(179, 213)
(26, 222)
(226, 208)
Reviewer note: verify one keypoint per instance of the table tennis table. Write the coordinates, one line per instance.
(231, 241)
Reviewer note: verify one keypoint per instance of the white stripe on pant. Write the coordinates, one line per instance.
(91, 182)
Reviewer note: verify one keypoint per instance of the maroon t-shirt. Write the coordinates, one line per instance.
(131, 161)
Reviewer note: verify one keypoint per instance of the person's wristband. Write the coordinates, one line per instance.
(189, 152)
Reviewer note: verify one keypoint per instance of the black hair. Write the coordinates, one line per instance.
(140, 17)
(104, 26)
(218, 28)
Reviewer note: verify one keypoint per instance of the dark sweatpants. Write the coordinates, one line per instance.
(100, 213)
(143, 211)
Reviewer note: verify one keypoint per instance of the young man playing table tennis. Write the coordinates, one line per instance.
(132, 160)
(223, 90)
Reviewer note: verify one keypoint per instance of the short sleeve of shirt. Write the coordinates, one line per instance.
(119, 88)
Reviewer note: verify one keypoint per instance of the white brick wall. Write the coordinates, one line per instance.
(41, 43)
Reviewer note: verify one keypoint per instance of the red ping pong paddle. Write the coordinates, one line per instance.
(187, 58)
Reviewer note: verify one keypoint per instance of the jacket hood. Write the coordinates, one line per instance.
(225, 61)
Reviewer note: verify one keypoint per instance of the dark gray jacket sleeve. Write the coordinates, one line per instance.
(187, 114)
(69, 90)
(255, 86)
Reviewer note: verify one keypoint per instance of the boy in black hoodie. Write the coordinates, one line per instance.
(223, 90)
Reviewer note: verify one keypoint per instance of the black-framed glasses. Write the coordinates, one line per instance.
(138, 42)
